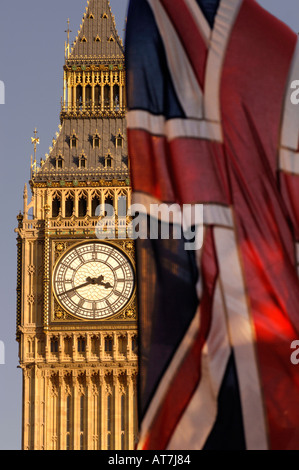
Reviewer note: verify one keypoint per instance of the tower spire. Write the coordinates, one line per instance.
(93, 92)
(97, 35)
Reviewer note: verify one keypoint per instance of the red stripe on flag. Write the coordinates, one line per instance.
(149, 165)
(190, 36)
(194, 167)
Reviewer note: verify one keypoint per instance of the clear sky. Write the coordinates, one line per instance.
(31, 58)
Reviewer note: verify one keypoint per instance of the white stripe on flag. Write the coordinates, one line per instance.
(146, 121)
(174, 128)
(200, 416)
(186, 85)
(200, 20)
(242, 338)
(289, 160)
(290, 123)
(188, 128)
(214, 214)
(224, 21)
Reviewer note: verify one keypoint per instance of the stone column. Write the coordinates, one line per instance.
(83, 91)
(116, 413)
(102, 90)
(115, 346)
(102, 414)
(60, 347)
(76, 413)
(74, 347)
(88, 413)
(130, 420)
(26, 409)
(36, 401)
(61, 412)
(111, 91)
(92, 91)
(89, 203)
(120, 91)
(101, 347)
(62, 208)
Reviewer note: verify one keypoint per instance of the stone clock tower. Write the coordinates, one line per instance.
(76, 299)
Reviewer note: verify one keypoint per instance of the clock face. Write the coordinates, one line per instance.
(93, 281)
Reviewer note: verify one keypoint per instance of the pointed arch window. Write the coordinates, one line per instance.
(82, 207)
(73, 141)
(122, 206)
(107, 95)
(91, 16)
(108, 161)
(69, 205)
(81, 344)
(111, 39)
(97, 39)
(83, 39)
(79, 95)
(116, 97)
(105, 16)
(59, 162)
(54, 345)
(82, 161)
(88, 95)
(108, 344)
(96, 140)
(96, 202)
(109, 206)
(56, 206)
(134, 345)
(119, 141)
(97, 95)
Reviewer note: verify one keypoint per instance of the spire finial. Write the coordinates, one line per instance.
(35, 141)
(67, 44)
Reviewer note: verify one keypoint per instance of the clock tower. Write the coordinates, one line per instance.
(76, 291)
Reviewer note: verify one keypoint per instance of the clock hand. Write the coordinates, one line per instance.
(107, 285)
(95, 281)
(89, 281)
(100, 282)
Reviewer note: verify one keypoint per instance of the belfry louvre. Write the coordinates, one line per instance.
(76, 293)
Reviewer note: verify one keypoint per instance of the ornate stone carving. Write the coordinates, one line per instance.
(31, 269)
(30, 299)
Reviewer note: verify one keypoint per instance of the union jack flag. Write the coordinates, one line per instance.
(211, 122)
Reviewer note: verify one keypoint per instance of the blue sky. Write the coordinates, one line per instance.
(31, 58)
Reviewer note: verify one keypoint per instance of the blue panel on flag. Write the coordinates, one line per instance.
(149, 85)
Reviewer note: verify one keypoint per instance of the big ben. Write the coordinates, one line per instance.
(76, 287)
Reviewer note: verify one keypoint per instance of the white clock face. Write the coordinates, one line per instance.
(93, 281)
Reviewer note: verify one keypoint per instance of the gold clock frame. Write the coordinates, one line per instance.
(65, 315)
